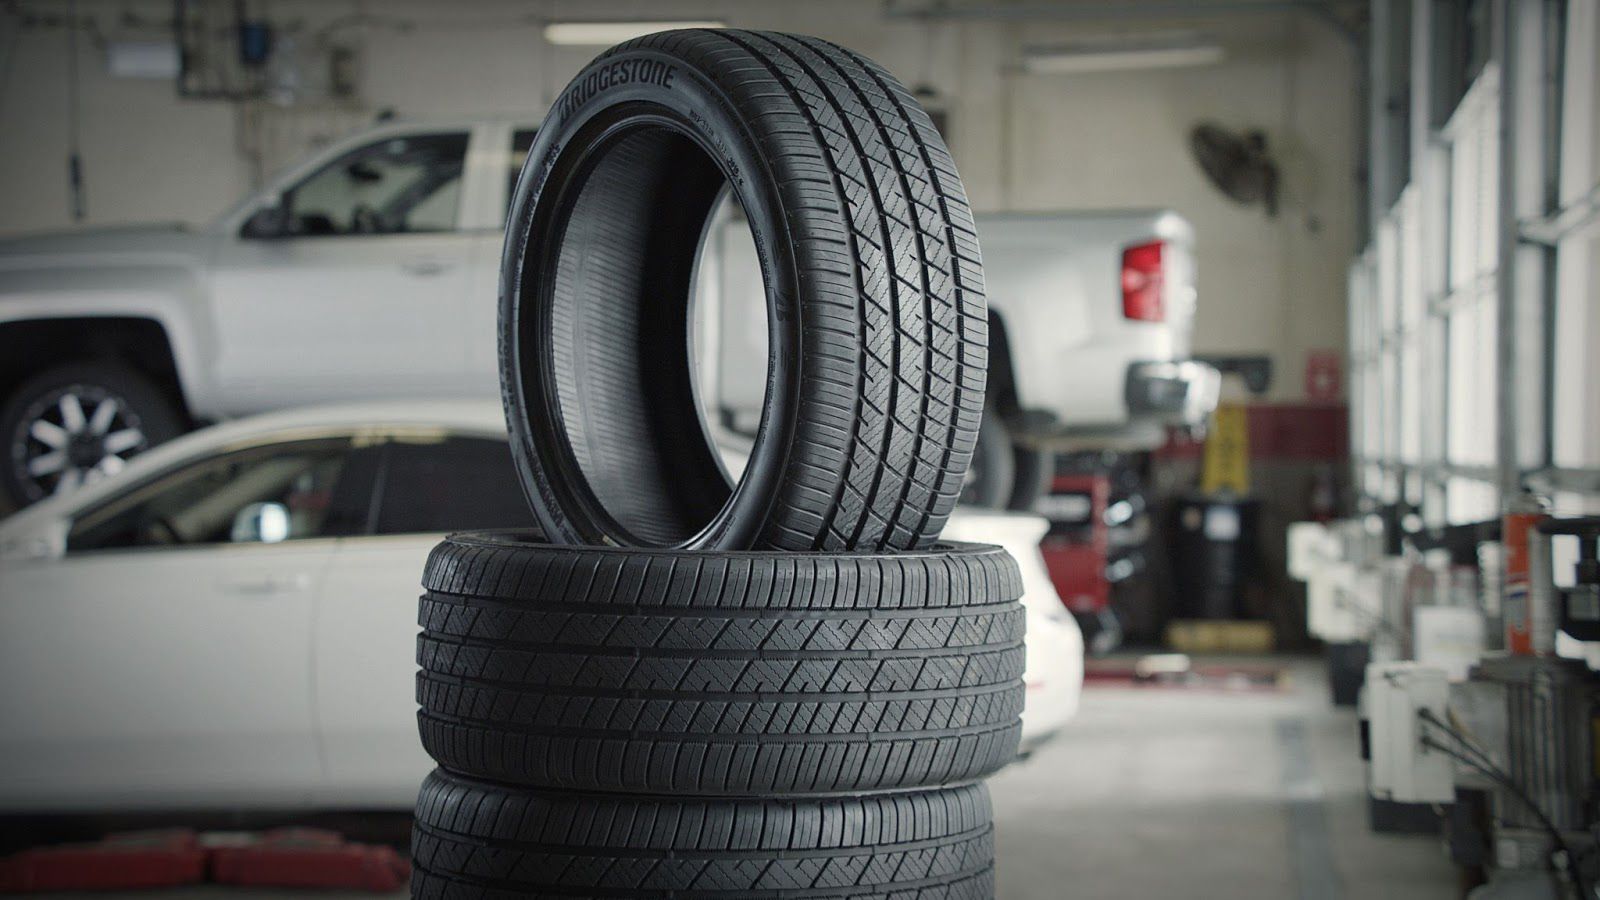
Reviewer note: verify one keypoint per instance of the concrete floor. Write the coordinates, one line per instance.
(1173, 793)
(1196, 794)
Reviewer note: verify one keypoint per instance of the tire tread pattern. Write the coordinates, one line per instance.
(590, 671)
(479, 841)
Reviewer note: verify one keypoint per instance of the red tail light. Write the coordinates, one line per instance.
(1142, 283)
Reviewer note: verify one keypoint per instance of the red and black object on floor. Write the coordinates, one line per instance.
(309, 858)
(288, 857)
(132, 861)
(1076, 546)
(1099, 527)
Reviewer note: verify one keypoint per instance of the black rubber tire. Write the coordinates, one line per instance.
(878, 345)
(705, 673)
(477, 840)
(146, 404)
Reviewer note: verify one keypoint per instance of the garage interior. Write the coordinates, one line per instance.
(1291, 305)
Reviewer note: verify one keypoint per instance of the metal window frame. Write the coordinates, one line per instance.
(1529, 223)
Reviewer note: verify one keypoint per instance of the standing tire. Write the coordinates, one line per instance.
(719, 673)
(475, 840)
(877, 330)
(76, 423)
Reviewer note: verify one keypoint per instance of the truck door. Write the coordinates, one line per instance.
(354, 285)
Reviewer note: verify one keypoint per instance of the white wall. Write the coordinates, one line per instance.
(1120, 139)
(1272, 286)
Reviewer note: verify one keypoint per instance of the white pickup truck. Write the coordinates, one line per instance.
(1090, 316)
(369, 272)
(1089, 323)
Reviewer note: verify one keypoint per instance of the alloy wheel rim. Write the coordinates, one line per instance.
(72, 437)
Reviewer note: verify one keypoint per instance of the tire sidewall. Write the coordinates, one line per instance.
(695, 100)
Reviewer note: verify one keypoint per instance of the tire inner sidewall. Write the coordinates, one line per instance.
(622, 434)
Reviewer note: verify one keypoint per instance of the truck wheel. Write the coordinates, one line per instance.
(1034, 469)
(993, 473)
(1102, 631)
(1004, 474)
(77, 423)
(877, 329)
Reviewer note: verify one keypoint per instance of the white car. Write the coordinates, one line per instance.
(230, 622)
(1054, 643)
(374, 265)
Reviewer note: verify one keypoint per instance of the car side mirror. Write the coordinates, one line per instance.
(363, 172)
(260, 523)
(270, 221)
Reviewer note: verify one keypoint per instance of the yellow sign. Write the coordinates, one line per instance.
(1226, 465)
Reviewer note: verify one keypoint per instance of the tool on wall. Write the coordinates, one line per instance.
(226, 52)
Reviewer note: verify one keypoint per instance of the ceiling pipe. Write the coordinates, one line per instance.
(944, 10)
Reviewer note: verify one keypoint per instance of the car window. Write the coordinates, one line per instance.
(450, 484)
(400, 185)
(267, 494)
(521, 140)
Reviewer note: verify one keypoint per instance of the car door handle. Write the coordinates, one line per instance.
(425, 266)
(264, 585)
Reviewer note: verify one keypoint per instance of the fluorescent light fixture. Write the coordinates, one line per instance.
(1078, 61)
(142, 59)
(608, 33)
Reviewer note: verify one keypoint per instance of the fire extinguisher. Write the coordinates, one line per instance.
(1529, 620)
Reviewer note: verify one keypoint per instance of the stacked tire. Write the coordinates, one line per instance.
(723, 724)
(693, 686)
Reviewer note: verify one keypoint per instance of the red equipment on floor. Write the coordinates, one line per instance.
(287, 858)
(1075, 549)
(141, 859)
(309, 858)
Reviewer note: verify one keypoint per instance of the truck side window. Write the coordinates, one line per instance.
(399, 185)
(521, 140)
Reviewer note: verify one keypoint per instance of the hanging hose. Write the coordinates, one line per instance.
(74, 157)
